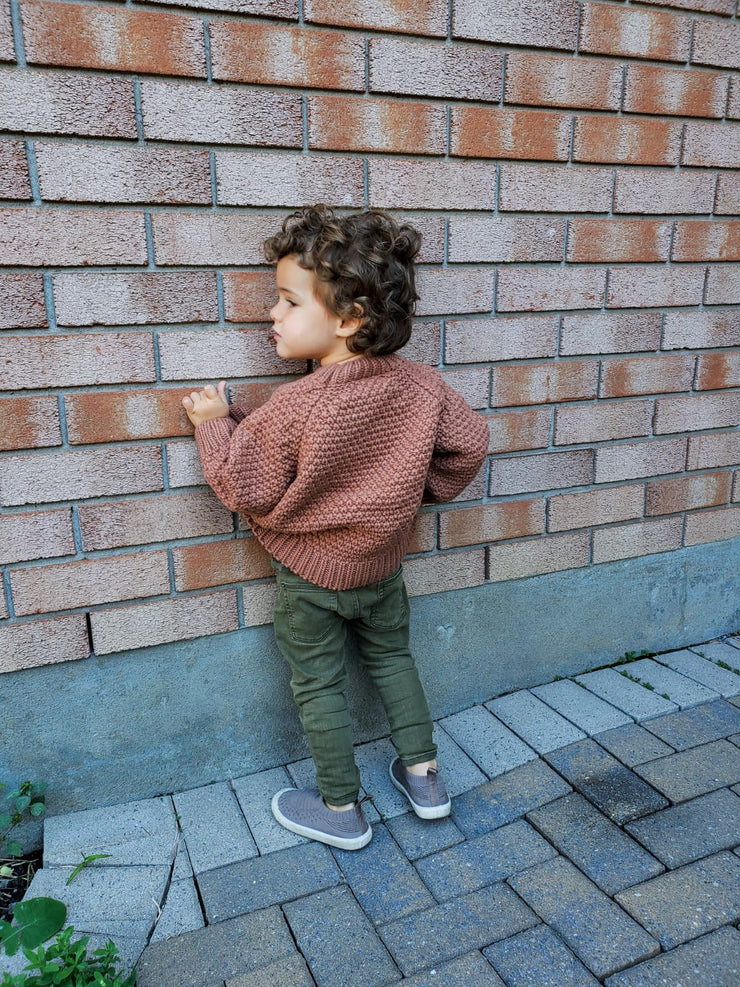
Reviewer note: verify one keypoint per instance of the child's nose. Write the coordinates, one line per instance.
(274, 311)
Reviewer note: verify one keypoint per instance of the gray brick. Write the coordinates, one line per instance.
(182, 869)
(538, 957)
(461, 774)
(507, 798)
(595, 845)
(712, 961)
(428, 938)
(683, 691)
(735, 738)
(587, 711)
(703, 670)
(254, 793)
(181, 911)
(633, 744)
(270, 880)
(690, 773)
(692, 727)
(596, 929)
(492, 746)
(719, 651)
(534, 721)
(686, 903)
(733, 641)
(291, 972)
(215, 830)
(483, 860)
(341, 945)
(383, 881)
(633, 699)
(614, 789)
(471, 970)
(420, 837)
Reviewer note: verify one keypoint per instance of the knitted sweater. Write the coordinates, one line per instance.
(332, 469)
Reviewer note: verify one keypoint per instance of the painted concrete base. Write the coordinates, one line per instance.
(170, 718)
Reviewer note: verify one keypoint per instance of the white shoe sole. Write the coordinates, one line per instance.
(422, 811)
(340, 842)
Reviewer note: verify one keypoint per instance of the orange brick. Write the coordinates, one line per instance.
(115, 416)
(341, 123)
(708, 6)
(716, 43)
(602, 421)
(612, 30)
(628, 541)
(736, 488)
(517, 431)
(626, 140)
(631, 460)
(518, 22)
(484, 340)
(118, 38)
(684, 493)
(723, 285)
(697, 412)
(7, 47)
(646, 375)
(610, 332)
(534, 289)
(701, 330)
(287, 179)
(651, 190)
(32, 643)
(706, 526)
(488, 132)
(618, 240)
(494, 522)
(411, 184)
(555, 188)
(472, 383)
(601, 506)
(14, 180)
(718, 449)
(711, 145)
(521, 559)
(63, 237)
(655, 286)
(733, 106)
(22, 303)
(706, 240)
(73, 361)
(29, 423)
(546, 80)
(716, 370)
(675, 92)
(418, 68)
(540, 471)
(444, 572)
(544, 383)
(424, 538)
(271, 54)
(220, 562)
(254, 393)
(198, 355)
(279, 9)
(35, 535)
(211, 238)
(505, 239)
(454, 290)
(249, 295)
(417, 17)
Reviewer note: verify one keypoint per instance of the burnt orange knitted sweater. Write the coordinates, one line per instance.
(332, 469)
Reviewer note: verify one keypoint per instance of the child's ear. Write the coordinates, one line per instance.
(349, 326)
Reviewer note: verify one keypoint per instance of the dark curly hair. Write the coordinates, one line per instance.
(363, 262)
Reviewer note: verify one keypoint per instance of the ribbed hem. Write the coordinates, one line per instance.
(212, 435)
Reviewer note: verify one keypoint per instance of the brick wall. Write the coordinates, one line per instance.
(573, 167)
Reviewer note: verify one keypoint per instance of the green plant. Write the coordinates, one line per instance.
(34, 921)
(85, 862)
(67, 962)
(27, 798)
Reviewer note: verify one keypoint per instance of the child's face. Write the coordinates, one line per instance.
(303, 328)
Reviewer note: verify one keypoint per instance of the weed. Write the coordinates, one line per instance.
(68, 962)
(85, 862)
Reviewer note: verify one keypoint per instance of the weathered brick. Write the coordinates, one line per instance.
(248, 295)
(601, 506)
(505, 239)
(602, 421)
(708, 451)
(211, 238)
(435, 69)
(59, 361)
(29, 422)
(183, 465)
(711, 145)
(341, 123)
(538, 383)
(626, 140)
(520, 559)
(555, 188)
(515, 431)
(434, 237)
(483, 132)
(422, 17)
(716, 370)
(675, 92)
(32, 643)
(41, 589)
(736, 488)
(700, 411)
(655, 286)
(22, 303)
(62, 237)
(546, 80)
(7, 48)
(263, 179)
(618, 240)
(424, 538)
(627, 541)
(518, 23)
(706, 526)
(700, 239)
(534, 289)
(612, 30)
(641, 190)
(411, 184)
(646, 375)
(34, 101)
(220, 562)
(733, 104)
(541, 471)
(14, 180)
(88, 299)
(272, 54)
(115, 416)
(494, 522)
(709, 6)
(483, 340)
(716, 43)
(118, 38)
(454, 290)
(700, 330)
(610, 332)
(200, 355)
(628, 461)
(684, 493)
(472, 383)
(728, 194)
(284, 9)
(35, 535)
(451, 570)
(723, 285)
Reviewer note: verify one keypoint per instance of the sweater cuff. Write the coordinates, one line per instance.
(237, 412)
(212, 435)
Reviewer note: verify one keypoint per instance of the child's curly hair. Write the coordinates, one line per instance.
(364, 263)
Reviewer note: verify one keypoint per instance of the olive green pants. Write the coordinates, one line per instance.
(310, 629)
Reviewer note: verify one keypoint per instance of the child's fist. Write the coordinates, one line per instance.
(203, 406)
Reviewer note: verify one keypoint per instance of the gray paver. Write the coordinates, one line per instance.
(686, 903)
(595, 845)
(633, 744)
(703, 670)
(694, 772)
(534, 721)
(471, 970)
(420, 837)
(492, 746)
(587, 711)
(455, 927)
(681, 690)
(338, 940)
(693, 830)
(612, 787)
(734, 641)
(718, 651)
(182, 868)
(291, 972)
(254, 793)
(692, 727)
(181, 912)
(712, 961)
(539, 957)
(597, 930)
(483, 860)
(633, 699)
(460, 772)
(215, 830)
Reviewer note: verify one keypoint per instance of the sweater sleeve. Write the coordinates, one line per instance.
(459, 448)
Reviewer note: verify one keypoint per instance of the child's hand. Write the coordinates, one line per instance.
(204, 406)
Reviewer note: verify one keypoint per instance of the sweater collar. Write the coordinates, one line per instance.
(365, 366)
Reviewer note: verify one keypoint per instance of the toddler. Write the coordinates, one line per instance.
(330, 473)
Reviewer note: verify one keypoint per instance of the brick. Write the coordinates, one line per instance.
(676, 92)
(59, 360)
(261, 179)
(483, 132)
(631, 460)
(183, 465)
(519, 430)
(555, 188)
(581, 510)
(424, 538)
(521, 559)
(537, 956)
(711, 145)
(736, 488)
(115, 38)
(220, 562)
(700, 330)
(716, 43)
(505, 239)
(715, 370)
(603, 421)
(646, 375)
(548, 471)
(708, 6)
(211, 238)
(199, 355)
(291, 970)
(484, 340)
(686, 493)
(22, 303)
(536, 383)
(472, 383)
(418, 68)
(14, 180)
(626, 140)
(610, 332)
(7, 47)
(631, 743)
(35, 535)
(714, 957)
(701, 724)
(34, 101)
(29, 423)
(418, 840)
(733, 105)
(527, 289)
(628, 541)
(115, 416)
(454, 290)
(439, 573)
(248, 295)
(32, 643)
(610, 30)
(285, 9)
(641, 190)
(707, 451)
(254, 394)
(536, 723)
(655, 286)
(728, 194)
(425, 17)
(341, 123)
(412, 184)
(272, 54)
(699, 411)
(88, 299)
(494, 522)
(706, 240)
(723, 285)
(586, 711)
(63, 237)
(220, 115)
(693, 772)
(684, 691)
(708, 526)
(58, 476)
(618, 240)
(546, 80)
(518, 23)
(95, 173)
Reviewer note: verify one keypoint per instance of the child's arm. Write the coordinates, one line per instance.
(459, 448)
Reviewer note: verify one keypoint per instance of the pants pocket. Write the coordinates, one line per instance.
(310, 612)
(392, 608)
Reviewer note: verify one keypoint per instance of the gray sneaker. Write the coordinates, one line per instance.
(427, 795)
(303, 811)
